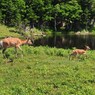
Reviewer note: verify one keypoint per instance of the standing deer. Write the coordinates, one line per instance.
(13, 42)
(79, 52)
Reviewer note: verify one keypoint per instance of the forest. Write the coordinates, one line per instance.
(68, 15)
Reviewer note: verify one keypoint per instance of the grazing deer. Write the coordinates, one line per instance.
(13, 42)
(77, 52)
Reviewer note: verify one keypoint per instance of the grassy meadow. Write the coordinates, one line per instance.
(46, 71)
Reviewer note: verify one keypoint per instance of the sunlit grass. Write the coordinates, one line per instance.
(46, 71)
(7, 31)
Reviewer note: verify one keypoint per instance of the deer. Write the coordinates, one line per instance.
(79, 52)
(13, 42)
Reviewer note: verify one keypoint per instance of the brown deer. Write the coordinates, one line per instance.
(13, 42)
(79, 52)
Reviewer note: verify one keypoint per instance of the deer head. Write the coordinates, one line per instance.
(29, 41)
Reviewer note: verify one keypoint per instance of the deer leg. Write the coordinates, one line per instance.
(16, 51)
(20, 49)
(72, 56)
(3, 51)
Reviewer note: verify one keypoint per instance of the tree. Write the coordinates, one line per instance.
(76, 14)
(71, 14)
(12, 11)
(87, 16)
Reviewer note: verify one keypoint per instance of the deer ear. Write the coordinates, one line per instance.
(28, 38)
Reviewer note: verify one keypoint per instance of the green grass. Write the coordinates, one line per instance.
(8, 31)
(46, 71)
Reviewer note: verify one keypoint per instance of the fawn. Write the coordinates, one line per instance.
(79, 52)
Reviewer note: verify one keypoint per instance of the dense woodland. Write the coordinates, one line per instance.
(49, 14)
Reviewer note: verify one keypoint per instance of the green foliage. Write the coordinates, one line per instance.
(71, 10)
(76, 14)
(12, 12)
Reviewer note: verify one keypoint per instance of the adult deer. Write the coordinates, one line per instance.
(13, 42)
(79, 52)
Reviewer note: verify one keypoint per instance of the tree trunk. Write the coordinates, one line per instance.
(55, 29)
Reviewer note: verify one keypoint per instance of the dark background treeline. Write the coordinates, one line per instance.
(68, 41)
(49, 14)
